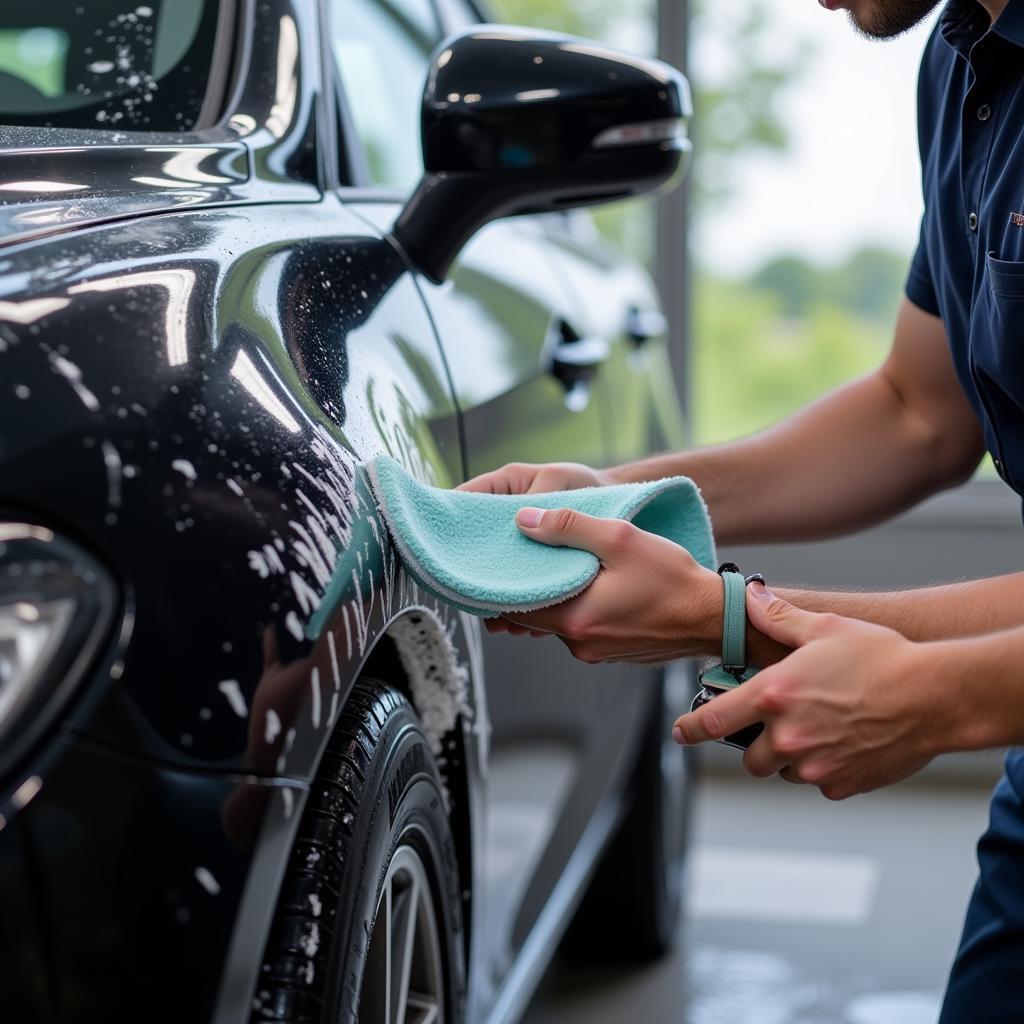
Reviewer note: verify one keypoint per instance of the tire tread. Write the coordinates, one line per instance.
(286, 991)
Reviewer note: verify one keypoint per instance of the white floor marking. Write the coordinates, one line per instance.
(895, 1008)
(781, 885)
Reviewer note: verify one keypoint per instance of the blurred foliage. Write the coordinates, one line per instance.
(738, 88)
(868, 283)
(590, 18)
(754, 362)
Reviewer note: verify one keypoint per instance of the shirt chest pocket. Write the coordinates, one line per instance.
(1006, 282)
(997, 360)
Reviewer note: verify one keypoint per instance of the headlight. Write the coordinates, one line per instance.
(56, 604)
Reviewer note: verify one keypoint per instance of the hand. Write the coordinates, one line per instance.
(650, 602)
(853, 708)
(528, 478)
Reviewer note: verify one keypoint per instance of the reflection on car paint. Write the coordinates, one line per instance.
(177, 283)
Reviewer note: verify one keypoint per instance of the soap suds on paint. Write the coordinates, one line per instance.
(438, 681)
(112, 461)
(205, 878)
(73, 375)
(272, 727)
(231, 690)
(291, 621)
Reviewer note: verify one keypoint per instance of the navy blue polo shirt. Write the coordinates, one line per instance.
(969, 265)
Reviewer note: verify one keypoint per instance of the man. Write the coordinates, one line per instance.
(881, 683)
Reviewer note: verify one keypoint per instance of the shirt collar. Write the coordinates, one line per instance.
(964, 22)
(1010, 24)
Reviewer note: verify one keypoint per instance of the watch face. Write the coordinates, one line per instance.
(740, 739)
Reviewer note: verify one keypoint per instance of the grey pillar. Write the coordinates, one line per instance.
(672, 270)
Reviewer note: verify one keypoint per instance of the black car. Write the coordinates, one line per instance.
(248, 770)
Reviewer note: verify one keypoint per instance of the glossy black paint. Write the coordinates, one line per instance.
(190, 372)
(517, 121)
(131, 869)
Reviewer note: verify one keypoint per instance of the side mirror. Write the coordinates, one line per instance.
(522, 121)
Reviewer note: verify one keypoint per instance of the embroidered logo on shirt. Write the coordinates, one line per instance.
(1017, 219)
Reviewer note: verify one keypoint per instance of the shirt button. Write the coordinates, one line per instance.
(972, 222)
(984, 112)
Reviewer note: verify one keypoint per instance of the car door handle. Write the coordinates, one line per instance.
(574, 361)
(643, 325)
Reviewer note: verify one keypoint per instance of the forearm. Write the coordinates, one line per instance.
(950, 611)
(852, 459)
(976, 687)
(859, 455)
(965, 609)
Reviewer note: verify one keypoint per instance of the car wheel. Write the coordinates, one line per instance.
(632, 907)
(368, 924)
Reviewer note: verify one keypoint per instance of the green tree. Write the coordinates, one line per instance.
(870, 283)
(738, 90)
(867, 284)
(793, 281)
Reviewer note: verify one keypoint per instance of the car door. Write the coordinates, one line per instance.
(524, 375)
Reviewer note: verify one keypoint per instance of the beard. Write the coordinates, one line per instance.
(886, 19)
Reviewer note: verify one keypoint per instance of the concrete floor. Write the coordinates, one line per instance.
(801, 911)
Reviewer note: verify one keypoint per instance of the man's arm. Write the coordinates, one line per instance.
(857, 456)
(857, 706)
(969, 608)
(950, 611)
(654, 602)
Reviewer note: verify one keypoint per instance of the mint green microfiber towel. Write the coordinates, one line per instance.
(466, 549)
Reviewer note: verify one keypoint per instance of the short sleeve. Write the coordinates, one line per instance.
(920, 286)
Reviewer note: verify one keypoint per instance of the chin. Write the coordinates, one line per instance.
(886, 19)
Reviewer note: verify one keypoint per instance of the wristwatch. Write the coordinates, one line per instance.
(733, 669)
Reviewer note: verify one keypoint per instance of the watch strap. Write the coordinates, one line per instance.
(734, 622)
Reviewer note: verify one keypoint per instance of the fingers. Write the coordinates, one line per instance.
(726, 714)
(501, 624)
(760, 760)
(781, 620)
(513, 478)
(567, 528)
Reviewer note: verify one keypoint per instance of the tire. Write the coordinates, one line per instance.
(373, 860)
(632, 908)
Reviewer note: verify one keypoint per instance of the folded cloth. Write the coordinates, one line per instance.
(466, 549)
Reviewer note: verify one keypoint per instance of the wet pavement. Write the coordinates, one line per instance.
(801, 911)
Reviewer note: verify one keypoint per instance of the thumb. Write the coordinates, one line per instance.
(779, 619)
(567, 528)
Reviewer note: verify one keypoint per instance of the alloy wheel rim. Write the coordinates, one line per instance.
(404, 978)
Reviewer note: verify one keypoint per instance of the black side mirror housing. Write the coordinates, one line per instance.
(521, 121)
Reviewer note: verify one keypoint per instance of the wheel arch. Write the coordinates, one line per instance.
(433, 659)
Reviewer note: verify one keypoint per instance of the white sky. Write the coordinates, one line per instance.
(852, 175)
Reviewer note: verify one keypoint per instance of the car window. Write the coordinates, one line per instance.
(105, 63)
(382, 48)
